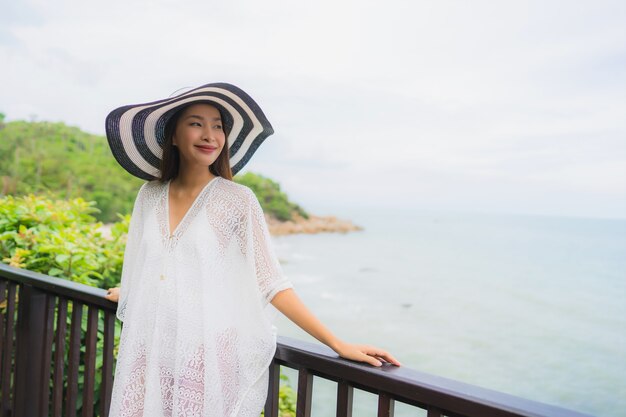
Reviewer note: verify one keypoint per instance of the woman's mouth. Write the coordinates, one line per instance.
(206, 149)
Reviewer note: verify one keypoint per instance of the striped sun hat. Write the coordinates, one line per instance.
(136, 133)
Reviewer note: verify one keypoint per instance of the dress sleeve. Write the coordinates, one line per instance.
(269, 273)
(130, 254)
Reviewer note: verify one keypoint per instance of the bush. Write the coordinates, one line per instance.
(61, 239)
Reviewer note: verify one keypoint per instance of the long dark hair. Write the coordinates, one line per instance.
(171, 156)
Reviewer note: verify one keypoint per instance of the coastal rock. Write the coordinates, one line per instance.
(314, 224)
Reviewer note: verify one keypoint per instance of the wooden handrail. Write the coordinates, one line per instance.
(410, 386)
(59, 286)
(39, 298)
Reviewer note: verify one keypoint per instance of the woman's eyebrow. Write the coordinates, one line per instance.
(195, 116)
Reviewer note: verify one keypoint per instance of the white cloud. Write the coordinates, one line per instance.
(514, 106)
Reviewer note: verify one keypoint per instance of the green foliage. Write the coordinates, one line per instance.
(61, 239)
(65, 163)
(272, 199)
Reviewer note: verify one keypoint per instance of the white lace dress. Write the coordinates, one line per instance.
(198, 334)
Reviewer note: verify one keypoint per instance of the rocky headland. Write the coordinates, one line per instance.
(314, 224)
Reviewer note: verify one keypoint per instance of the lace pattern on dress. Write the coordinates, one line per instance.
(162, 213)
(226, 213)
(269, 273)
(189, 388)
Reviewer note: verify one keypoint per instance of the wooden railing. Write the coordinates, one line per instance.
(34, 367)
(37, 378)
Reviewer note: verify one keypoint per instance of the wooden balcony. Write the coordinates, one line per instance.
(40, 373)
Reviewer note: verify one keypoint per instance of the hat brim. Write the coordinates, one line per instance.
(136, 132)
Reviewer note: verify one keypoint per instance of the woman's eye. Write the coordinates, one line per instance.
(195, 123)
(219, 126)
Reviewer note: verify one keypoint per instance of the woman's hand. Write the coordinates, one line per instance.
(365, 353)
(113, 294)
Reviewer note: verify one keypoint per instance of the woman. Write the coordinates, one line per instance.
(201, 284)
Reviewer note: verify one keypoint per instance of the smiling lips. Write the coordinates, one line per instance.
(206, 149)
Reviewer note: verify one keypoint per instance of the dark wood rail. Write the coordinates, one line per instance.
(34, 364)
(40, 377)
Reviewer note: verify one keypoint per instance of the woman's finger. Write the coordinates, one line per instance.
(372, 355)
(373, 361)
(391, 359)
(383, 354)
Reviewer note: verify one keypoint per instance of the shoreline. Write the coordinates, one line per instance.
(312, 225)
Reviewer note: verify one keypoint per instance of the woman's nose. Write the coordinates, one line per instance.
(208, 134)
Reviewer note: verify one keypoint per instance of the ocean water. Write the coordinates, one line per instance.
(528, 305)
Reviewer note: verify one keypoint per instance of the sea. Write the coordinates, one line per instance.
(533, 306)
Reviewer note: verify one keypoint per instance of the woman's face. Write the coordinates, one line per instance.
(199, 135)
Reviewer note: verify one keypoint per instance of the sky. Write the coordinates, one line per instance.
(487, 106)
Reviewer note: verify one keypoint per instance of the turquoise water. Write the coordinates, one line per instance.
(531, 306)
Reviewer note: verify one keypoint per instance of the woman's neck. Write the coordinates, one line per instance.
(190, 180)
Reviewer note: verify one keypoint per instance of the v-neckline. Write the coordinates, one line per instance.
(170, 233)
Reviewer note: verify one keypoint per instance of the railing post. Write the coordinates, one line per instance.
(271, 402)
(30, 332)
(305, 392)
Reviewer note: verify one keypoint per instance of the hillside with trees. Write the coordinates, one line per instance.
(62, 162)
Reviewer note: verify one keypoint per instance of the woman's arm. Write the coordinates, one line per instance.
(288, 303)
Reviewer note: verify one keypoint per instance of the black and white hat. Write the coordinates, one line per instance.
(136, 133)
